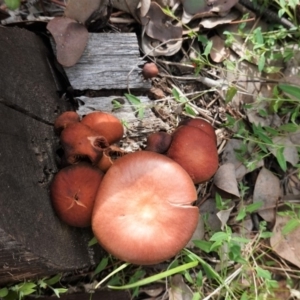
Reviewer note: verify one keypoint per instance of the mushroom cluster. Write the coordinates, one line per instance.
(140, 206)
(193, 145)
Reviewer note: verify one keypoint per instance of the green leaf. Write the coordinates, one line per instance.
(189, 110)
(263, 273)
(231, 92)
(291, 90)
(59, 291)
(290, 226)
(289, 127)
(156, 277)
(53, 280)
(12, 4)
(141, 112)
(219, 236)
(207, 49)
(101, 266)
(3, 292)
(203, 245)
(281, 159)
(92, 242)
(116, 104)
(27, 288)
(135, 101)
(254, 206)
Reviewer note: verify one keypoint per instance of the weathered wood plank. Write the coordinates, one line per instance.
(32, 239)
(110, 61)
(137, 128)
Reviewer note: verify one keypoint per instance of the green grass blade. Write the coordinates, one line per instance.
(156, 277)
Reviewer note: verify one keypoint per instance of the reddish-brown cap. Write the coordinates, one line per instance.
(110, 155)
(143, 212)
(106, 125)
(64, 120)
(158, 142)
(201, 124)
(195, 151)
(73, 192)
(81, 142)
(150, 70)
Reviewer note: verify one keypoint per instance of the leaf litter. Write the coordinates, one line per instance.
(269, 178)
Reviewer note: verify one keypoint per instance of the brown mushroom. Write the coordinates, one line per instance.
(201, 124)
(150, 70)
(73, 192)
(143, 212)
(195, 151)
(110, 155)
(158, 142)
(81, 142)
(65, 119)
(105, 124)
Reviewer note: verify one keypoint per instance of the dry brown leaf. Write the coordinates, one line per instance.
(224, 215)
(179, 290)
(267, 190)
(290, 152)
(286, 246)
(225, 179)
(128, 6)
(198, 233)
(218, 52)
(229, 156)
(295, 137)
(208, 210)
(82, 10)
(158, 25)
(70, 38)
(213, 22)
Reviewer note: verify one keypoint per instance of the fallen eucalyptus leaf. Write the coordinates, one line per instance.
(225, 179)
(179, 290)
(223, 215)
(82, 10)
(290, 152)
(267, 189)
(215, 21)
(208, 211)
(219, 52)
(70, 38)
(286, 246)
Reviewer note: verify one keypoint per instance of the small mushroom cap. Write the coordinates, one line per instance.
(201, 124)
(195, 151)
(143, 212)
(73, 192)
(65, 119)
(158, 142)
(106, 125)
(80, 141)
(150, 70)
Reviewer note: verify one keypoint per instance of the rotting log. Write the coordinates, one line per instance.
(109, 61)
(32, 239)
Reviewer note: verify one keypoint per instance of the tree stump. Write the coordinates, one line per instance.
(33, 241)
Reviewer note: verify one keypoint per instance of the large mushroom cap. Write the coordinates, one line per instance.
(143, 212)
(105, 124)
(73, 192)
(195, 151)
(201, 124)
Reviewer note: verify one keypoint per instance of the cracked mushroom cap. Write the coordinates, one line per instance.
(80, 142)
(195, 151)
(73, 192)
(143, 212)
(105, 124)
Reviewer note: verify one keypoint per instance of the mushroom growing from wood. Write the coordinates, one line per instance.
(73, 192)
(105, 124)
(143, 212)
(81, 142)
(196, 151)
